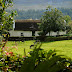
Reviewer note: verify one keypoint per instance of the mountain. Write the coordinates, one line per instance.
(41, 4)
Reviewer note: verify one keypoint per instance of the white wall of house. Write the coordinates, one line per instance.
(56, 33)
(62, 32)
(18, 33)
(36, 33)
(52, 34)
(29, 33)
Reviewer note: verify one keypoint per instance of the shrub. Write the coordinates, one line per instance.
(58, 38)
(9, 61)
(42, 61)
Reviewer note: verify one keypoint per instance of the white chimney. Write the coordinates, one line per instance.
(13, 24)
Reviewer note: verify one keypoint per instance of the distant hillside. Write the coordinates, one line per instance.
(36, 14)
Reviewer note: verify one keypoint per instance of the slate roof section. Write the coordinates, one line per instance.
(27, 25)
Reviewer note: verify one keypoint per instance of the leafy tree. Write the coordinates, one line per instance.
(66, 11)
(68, 23)
(69, 27)
(6, 19)
(52, 20)
(67, 18)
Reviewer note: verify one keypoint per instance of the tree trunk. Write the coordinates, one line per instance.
(57, 32)
(49, 33)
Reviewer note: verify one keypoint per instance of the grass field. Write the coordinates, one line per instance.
(63, 47)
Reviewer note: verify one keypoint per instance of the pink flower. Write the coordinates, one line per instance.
(7, 53)
(7, 47)
(23, 56)
(14, 47)
(11, 53)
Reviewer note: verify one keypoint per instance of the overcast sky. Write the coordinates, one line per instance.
(41, 4)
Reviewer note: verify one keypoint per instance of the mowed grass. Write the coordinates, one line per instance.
(63, 47)
(21, 46)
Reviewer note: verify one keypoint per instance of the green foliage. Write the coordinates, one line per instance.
(67, 18)
(52, 20)
(69, 29)
(41, 61)
(59, 38)
(1, 39)
(66, 11)
(37, 61)
(53, 64)
(9, 61)
(6, 19)
(63, 47)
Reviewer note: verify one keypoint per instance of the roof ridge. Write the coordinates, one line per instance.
(27, 21)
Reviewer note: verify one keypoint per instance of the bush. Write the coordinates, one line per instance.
(58, 38)
(9, 61)
(1, 39)
(42, 61)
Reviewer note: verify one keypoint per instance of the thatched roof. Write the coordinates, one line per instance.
(26, 25)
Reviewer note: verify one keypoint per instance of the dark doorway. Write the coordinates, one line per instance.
(33, 33)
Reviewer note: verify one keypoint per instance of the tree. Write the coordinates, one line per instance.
(67, 18)
(52, 20)
(6, 19)
(68, 23)
(69, 27)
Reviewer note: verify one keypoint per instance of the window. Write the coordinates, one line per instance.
(22, 34)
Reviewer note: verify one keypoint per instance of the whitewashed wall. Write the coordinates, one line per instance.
(55, 33)
(51, 33)
(62, 32)
(18, 33)
(36, 33)
(29, 33)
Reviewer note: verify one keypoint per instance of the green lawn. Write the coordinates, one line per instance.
(62, 47)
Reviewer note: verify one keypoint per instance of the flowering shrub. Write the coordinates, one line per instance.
(9, 61)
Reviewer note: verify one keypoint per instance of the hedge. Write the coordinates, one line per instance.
(55, 38)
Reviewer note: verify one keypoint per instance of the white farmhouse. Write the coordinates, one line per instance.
(29, 28)
(25, 28)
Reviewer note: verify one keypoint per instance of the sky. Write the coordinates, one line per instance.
(41, 4)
